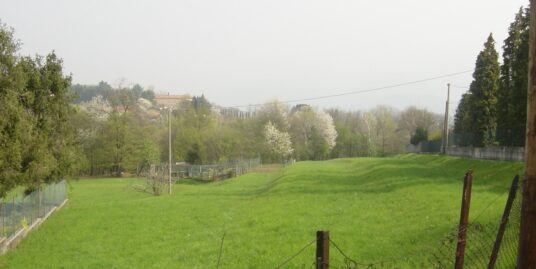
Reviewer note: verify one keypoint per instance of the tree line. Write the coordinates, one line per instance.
(116, 140)
(494, 109)
(51, 129)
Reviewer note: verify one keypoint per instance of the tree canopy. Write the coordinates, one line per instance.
(37, 142)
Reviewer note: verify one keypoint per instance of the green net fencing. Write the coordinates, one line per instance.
(22, 210)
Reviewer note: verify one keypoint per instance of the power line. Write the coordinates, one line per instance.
(459, 87)
(362, 91)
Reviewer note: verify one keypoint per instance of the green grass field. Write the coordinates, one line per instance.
(374, 208)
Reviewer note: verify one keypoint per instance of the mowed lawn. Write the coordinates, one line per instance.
(374, 208)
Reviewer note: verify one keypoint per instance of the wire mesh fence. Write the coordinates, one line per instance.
(159, 181)
(481, 238)
(489, 244)
(215, 171)
(23, 210)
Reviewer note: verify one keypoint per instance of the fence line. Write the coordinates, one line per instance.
(492, 244)
(215, 171)
(158, 175)
(489, 153)
(22, 211)
(206, 171)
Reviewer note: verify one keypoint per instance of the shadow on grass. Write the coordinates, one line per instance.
(193, 181)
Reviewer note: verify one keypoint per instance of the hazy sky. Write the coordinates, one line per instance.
(240, 52)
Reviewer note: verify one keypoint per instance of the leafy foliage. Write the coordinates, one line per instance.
(37, 141)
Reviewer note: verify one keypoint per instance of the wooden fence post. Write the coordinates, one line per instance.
(322, 250)
(464, 219)
(504, 221)
(527, 232)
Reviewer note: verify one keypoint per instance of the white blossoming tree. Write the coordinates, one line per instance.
(278, 142)
(98, 108)
(313, 132)
(324, 124)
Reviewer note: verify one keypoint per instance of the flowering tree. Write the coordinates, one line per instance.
(98, 108)
(313, 133)
(324, 124)
(278, 142)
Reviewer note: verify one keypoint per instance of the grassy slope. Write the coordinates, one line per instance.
(374, 208)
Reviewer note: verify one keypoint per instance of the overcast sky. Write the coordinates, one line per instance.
(240, 52)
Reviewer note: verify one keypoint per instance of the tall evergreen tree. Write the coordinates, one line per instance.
(517, 111)
(512, 95)
(483, 89)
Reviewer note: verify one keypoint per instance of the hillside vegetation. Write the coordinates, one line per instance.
(374, 208)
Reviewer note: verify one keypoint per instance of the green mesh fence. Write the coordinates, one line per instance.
(23, 210)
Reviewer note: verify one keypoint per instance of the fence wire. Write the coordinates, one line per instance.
(158, 176)
(290, 258)
(23, 210)
(206, 171)
(481, 237)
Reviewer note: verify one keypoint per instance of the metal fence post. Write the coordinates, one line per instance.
(322, 250)
(464, 219)
(504, 221)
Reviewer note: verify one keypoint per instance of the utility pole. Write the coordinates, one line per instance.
(446, 123)
(527, 234)
(169, 138)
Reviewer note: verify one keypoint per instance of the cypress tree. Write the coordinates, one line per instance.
(512, 95)
(483, 89)
(517, 109)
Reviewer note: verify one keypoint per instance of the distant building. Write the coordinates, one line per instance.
(170, 100)
(300, 107)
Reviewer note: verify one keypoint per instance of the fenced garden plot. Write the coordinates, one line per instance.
(22, 211)
(215, 171)
(159, 181)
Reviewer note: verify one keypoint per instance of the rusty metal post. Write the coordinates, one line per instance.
(322, 250)
(504, 221)
(464, 219)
